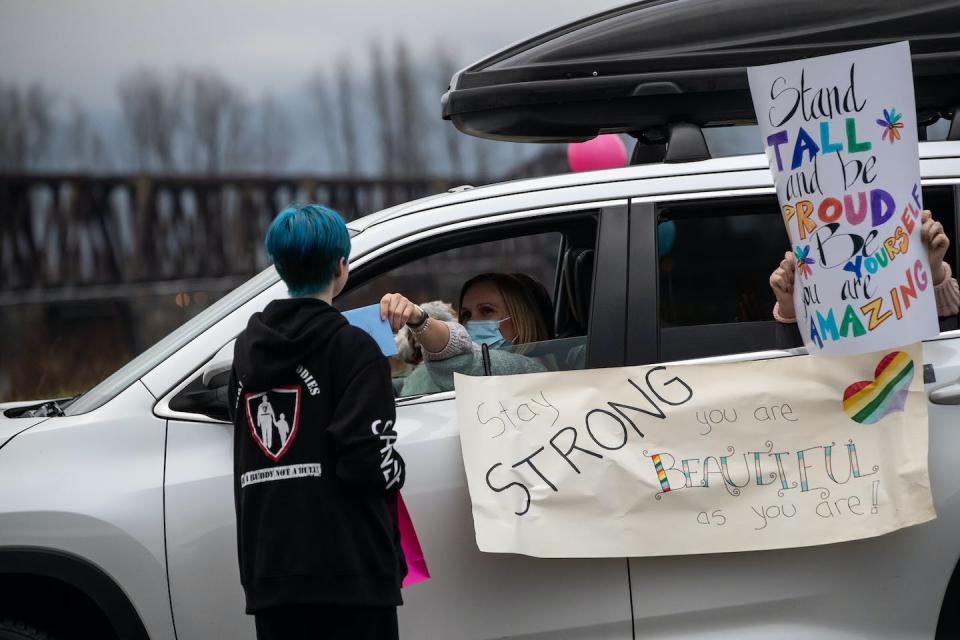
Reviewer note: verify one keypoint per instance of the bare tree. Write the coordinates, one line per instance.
(323, 104)
(237, 148)
(152, 111)
(382, 94)
(12, 129)
(274, 135)
(26, 125)
(348, 126)
(482, 153)
(77, 136)
(409, 130)
(40, 123)
(452, 138)
(83, 144)
(218, 122)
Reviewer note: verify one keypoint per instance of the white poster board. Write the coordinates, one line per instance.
(682, 459)
(840, 133)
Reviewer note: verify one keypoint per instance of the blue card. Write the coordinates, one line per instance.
(368, 319)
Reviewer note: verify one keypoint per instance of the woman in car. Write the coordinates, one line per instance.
(495, 309)
(945, 287)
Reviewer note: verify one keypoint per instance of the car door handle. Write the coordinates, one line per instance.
(949, 394)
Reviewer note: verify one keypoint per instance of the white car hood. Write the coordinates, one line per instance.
(10, 427)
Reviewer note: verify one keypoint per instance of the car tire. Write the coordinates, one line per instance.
(19, 630)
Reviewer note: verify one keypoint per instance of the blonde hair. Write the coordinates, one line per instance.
(522, 308)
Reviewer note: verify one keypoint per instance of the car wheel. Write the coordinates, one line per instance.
(20, 630)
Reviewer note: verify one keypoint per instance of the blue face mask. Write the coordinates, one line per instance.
(487, 332)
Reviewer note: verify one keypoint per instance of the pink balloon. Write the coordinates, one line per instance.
(603, 152)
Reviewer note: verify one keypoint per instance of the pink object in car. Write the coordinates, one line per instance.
(603, 152)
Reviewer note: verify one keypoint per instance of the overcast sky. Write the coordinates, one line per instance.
(80, 48)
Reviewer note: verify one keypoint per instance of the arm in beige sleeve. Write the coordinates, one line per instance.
(458, 342)
(947, 294)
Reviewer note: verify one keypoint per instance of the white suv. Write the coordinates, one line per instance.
(116, 508)
(117, 517)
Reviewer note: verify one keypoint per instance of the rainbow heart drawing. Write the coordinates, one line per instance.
(868, 401)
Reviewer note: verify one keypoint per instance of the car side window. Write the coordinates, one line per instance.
(555, 267)
(715, 258)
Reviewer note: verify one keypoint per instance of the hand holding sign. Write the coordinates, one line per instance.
(397, 310)
(782, 282)
(783, 278)
(937, 244)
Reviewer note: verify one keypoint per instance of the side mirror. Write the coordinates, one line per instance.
(207, 394)
(216, 373)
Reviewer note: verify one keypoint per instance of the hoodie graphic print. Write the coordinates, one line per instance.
(315, 468)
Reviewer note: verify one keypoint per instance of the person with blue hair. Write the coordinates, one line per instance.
(310, 248)
(319, 546)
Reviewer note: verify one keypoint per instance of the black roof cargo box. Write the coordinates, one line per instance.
(646, 64)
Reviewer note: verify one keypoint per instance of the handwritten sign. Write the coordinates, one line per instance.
(682, 459)
(841, 135)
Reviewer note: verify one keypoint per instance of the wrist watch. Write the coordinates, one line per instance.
(414, 324)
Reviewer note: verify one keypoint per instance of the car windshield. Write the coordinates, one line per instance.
(139, 366)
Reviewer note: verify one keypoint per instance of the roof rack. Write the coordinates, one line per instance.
(654, 62)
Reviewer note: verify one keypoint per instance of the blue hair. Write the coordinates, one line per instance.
(305, 243)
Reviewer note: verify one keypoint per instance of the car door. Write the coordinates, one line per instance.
(470, 595)
(476, 595)
(710, 258)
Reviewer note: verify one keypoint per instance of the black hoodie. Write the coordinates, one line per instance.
(315, 471)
